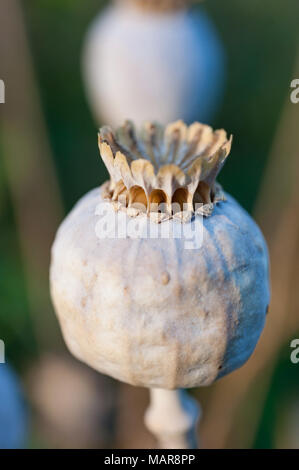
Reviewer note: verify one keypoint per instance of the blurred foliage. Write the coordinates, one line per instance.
(260, 38)
(282, 394)
(56, 30)
(15, 325)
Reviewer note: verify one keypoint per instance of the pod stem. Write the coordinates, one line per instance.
(172, 417)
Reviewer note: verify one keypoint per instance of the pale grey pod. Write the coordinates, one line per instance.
(152, 312)
(147, 65)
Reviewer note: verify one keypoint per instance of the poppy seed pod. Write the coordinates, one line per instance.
(175, 311)
(156, 59)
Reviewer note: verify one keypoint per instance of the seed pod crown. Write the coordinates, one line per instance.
(170, 171)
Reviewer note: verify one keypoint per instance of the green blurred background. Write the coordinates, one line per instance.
(262, 43)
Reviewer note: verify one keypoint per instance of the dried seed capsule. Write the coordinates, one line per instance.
(171, 312)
